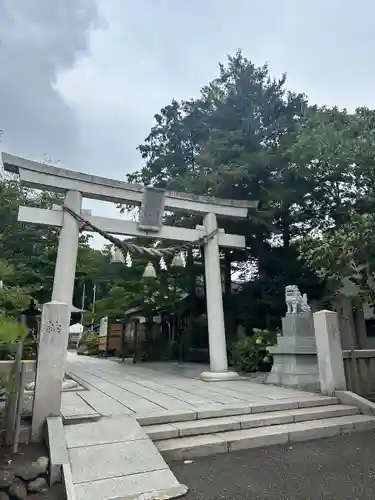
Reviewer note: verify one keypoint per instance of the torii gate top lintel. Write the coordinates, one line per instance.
(41, 176)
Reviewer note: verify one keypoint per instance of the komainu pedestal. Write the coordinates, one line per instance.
(295, 361)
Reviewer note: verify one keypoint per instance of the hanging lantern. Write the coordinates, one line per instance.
(128, 260)
(163, 264)
(149, 272)
(178, 260)
(118, 257)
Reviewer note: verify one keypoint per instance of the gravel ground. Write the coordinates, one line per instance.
(335, 468)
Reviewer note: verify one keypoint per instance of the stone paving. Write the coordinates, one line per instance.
(111, 455)
(114, 458)
(117, 388)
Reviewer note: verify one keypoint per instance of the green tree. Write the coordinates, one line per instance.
(347, 252)
(335, 152)
(235, 141)
(28, 252)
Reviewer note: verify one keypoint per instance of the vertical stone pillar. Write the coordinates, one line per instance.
(53, 343)
(215, 313)
(329, 351)
(65, 269)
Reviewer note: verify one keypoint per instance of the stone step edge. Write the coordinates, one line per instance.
(170, 416)
(216, 425)
(81, 419)
(212, 444)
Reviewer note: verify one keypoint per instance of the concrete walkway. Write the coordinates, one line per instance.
(117, 388)
(114, 458)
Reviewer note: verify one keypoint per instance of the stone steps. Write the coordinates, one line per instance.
(183, 440)
(235, 423)
(171, 416)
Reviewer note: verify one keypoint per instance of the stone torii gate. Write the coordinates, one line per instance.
(76, 185)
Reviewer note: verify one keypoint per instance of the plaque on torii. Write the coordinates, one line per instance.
(152, 210)
(153, 202)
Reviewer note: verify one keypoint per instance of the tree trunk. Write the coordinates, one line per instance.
(285, 226)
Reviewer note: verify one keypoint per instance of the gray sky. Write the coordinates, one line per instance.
(80, 80)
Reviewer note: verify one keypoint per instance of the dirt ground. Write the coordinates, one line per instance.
(30, 453)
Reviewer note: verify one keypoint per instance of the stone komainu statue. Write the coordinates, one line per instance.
(295, 302)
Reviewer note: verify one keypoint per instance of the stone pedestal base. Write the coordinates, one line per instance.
(295, 362)
(218, 376)
(295, 370)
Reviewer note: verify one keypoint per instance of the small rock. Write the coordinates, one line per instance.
(3, 496)
(69, 384)
(6, 478)
(30, 386)
(28, 472)
(43, 464)
(18, 490)
(32, 471)
(38, 485)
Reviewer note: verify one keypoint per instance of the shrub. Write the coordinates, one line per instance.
(250, 354)
(89, 346)
(11, 332)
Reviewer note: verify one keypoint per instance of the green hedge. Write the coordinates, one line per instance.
(89, 345)
(250, 354)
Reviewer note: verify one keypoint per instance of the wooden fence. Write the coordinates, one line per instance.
(359, 368)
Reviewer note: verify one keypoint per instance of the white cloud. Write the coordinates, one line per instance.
(87, 96)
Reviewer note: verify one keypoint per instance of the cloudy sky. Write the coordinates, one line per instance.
(80, 80)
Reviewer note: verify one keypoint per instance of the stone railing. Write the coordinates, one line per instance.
(359, 366)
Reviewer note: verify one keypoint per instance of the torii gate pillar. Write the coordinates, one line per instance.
(66, 260)
(215, 313)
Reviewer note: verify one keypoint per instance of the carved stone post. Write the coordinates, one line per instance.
(53, 343)
(331, 364)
